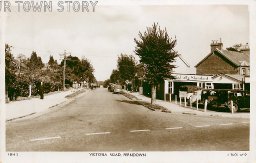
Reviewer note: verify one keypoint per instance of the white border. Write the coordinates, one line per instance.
(192, 156)
(2, 85)
(252, 11)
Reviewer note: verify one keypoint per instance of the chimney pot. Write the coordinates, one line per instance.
(216, 45)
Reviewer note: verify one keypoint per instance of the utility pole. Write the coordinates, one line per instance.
(64, 68)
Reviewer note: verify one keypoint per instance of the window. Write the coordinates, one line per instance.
(243, 71)
(201, 85)
(208, 86)
(170, 87)
(237, 86)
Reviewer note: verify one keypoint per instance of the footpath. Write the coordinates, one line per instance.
(176, 108)
(19, 109)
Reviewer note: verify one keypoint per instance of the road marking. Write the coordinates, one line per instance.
(98, 133)
(46, 138)
(226, 124)
(139, 130)
(173, 128)
(202, 126)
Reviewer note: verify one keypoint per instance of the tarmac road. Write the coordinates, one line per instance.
(102, 121)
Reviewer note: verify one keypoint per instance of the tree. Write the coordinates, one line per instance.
(155, 49)
(106, 83)
(35, 65)
(35, 62)
(52, 63)
(127, 67)
(115, 77)
(78, 70)
(10, 69)
(87, 71)
(139, 76)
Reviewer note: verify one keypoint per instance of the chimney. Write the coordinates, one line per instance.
(245, 47)
(216, 45)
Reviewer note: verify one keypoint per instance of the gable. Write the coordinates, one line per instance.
(222, 79)
(215, 63)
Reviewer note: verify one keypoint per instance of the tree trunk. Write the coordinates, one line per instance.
(153, 94)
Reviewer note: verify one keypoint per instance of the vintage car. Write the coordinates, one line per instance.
(111, 87)
(221, 98)
(117, 88)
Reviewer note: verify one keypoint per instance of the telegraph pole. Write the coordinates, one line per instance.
(64, 68)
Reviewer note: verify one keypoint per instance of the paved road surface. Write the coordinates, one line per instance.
(102, 121)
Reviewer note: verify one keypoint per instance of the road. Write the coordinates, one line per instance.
(102, 121)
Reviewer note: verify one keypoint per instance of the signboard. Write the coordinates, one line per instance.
(247, 79)
(185, 77)
(183, 94)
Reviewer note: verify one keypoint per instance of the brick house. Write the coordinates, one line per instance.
(234, 60)
(220, 69)
(230, 67)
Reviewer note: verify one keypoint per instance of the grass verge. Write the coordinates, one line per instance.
(136, 101)
(75, 93)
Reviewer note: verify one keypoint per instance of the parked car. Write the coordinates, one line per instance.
(221, 98)
(117, 88)
(111, 87)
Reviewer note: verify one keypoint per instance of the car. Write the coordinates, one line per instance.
(117, 88)
(221, 99)
(111, 87)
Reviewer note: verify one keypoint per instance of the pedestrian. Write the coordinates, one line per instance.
(40, 90)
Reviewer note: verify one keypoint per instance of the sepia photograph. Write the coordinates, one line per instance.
(125, 80)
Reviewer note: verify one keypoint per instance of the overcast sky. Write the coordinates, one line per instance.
(103, 35)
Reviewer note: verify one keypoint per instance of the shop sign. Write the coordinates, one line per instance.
(184, 77)
(183, 94)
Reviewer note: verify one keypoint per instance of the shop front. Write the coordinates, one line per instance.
(172, 86)
(222, 81)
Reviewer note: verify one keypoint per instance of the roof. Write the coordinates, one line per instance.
(235, 77)
(237, 58)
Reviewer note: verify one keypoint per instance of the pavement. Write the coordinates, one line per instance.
(176, 108)
(20, 109)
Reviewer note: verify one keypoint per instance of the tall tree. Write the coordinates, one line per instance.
(54, 72)
(78, 70)
(115, 77)
(52, 63)
(87, 71)
(10, 69)
(127, 67)
(35, 64)
(155, 49)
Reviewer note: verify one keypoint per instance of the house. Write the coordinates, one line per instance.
(220, 69)
(230, 67)
(234, 60)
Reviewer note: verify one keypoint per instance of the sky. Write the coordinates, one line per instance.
(104, 34)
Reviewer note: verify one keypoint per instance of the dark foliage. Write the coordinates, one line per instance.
(127, 67)
(155, 49)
